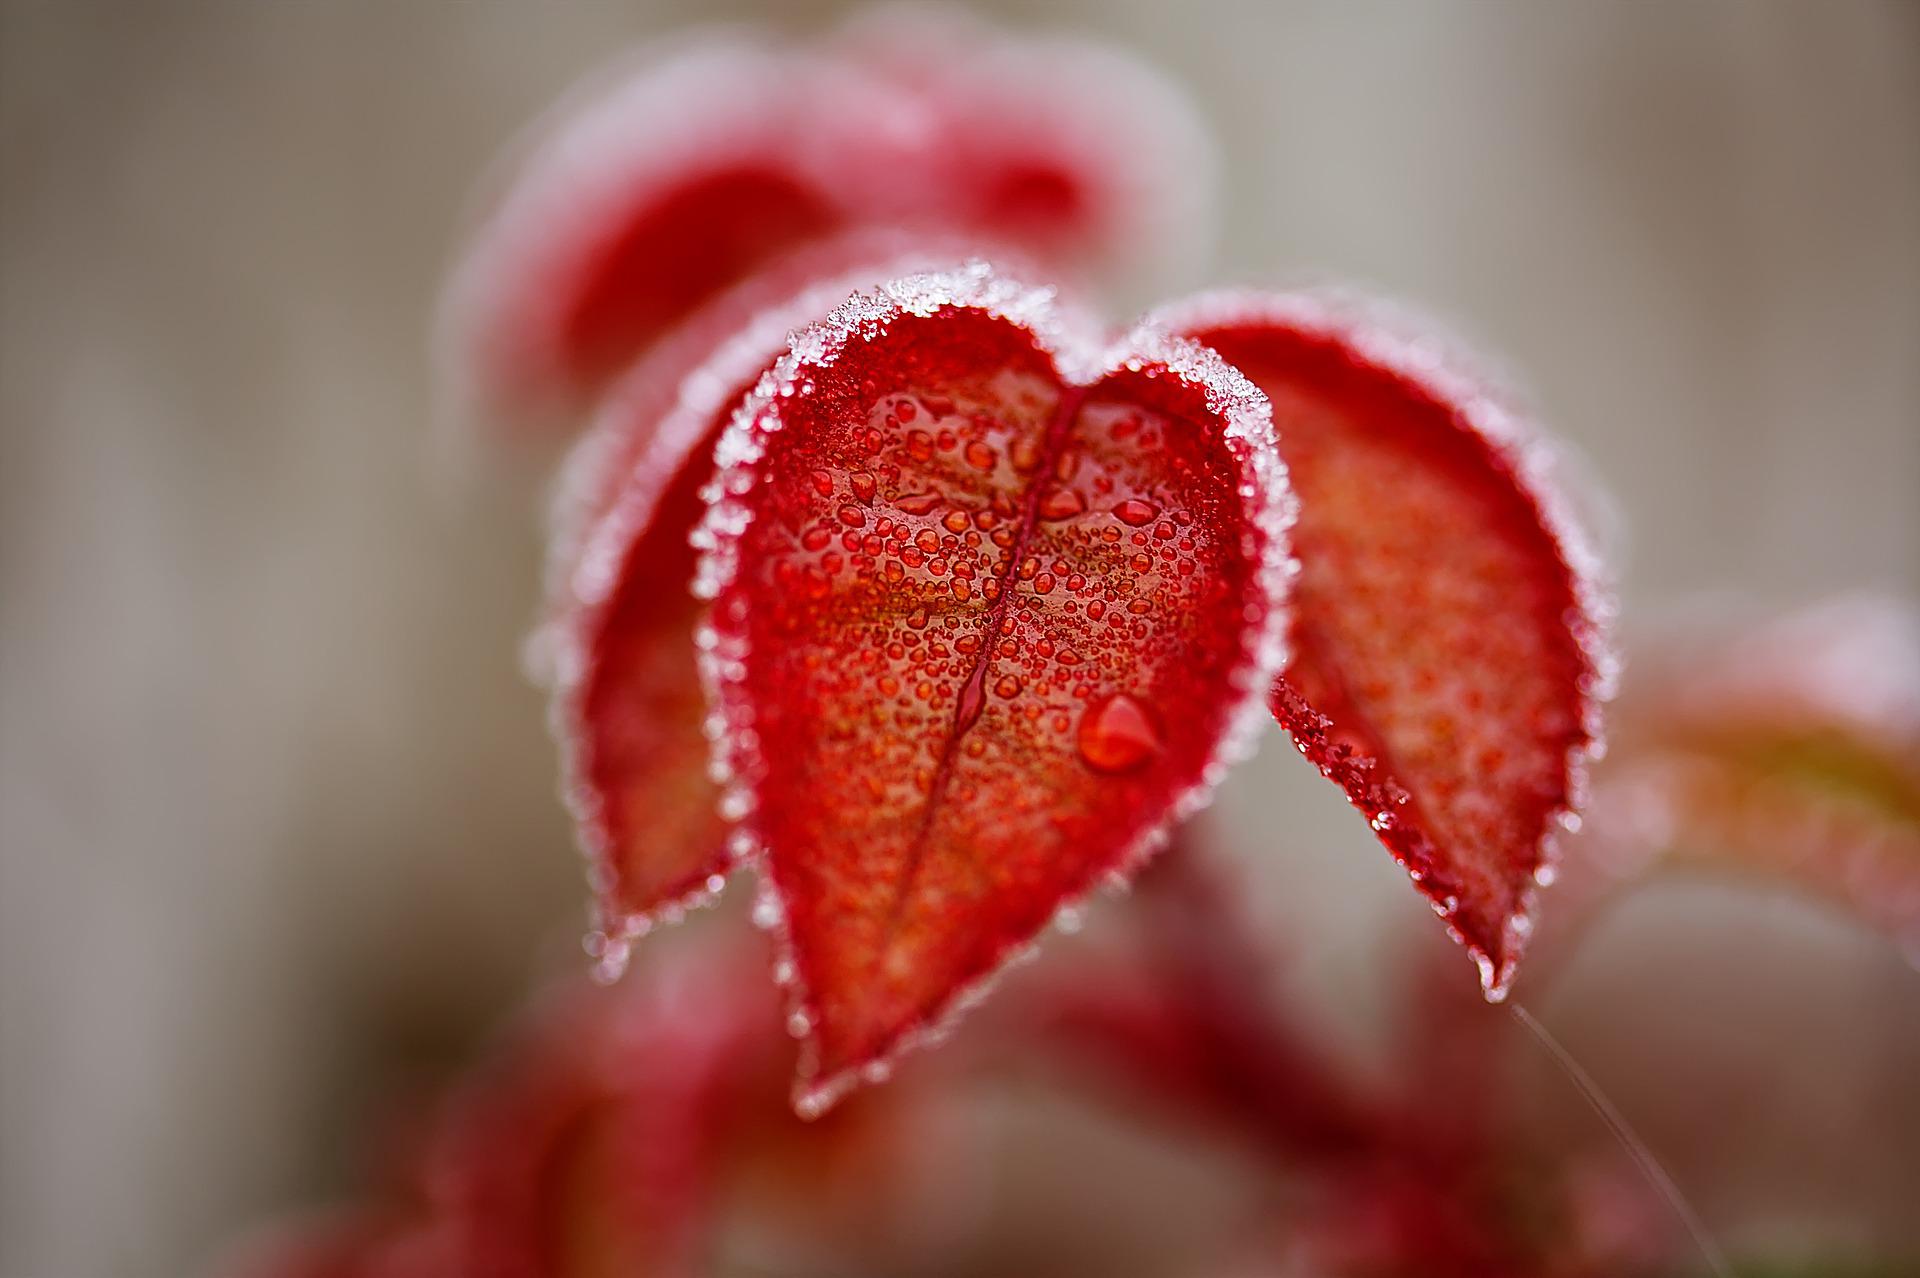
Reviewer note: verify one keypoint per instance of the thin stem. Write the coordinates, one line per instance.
(1629, 1139)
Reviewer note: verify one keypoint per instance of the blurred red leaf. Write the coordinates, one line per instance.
(1448, 655)
(602, 228)
(1789, 750)
(607, 1136)
(989, 604)
(672, 175)
(1077, 153)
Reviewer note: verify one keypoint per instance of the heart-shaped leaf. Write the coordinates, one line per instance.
(627, 701)
(1448, 642)
(989, 606)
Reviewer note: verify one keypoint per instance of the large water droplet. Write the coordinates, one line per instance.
(1134, 513)
(1117, 734)
(1062, 503)
(918, 503)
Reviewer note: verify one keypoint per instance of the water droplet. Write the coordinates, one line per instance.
(1062, 503)
(980, 456)
(918, 503)
(1135, 513)
(1117, 734)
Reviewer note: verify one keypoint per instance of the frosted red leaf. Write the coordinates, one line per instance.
(669, 177)
(627, 701)
(1448, 642)
(1788, 751)
(1083, 155)
(644, 193)
(958, 691)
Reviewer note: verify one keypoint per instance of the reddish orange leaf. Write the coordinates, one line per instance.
(1790, 751)
(628, 705)
(960, 686)
(1449, 660)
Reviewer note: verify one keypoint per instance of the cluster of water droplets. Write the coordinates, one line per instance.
(1008, 573)
(1481, 402)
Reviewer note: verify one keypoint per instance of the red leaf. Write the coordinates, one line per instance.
(988, 605)
(607, 1135)
(1790, 751)
(1076, 152)
(1448, 645)
(662, 181)
(604, 228)
(627, 701)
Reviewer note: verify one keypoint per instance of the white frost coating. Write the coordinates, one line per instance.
(1393, 338)
(587, 557)
(703, 363)
(1081, 359)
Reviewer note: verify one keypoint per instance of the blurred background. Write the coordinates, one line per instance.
(277, 807)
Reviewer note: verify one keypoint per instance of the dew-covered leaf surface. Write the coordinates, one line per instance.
(628, 704)
(989, 604)
(1447, 634)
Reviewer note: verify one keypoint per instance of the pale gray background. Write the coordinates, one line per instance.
(276, 805)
